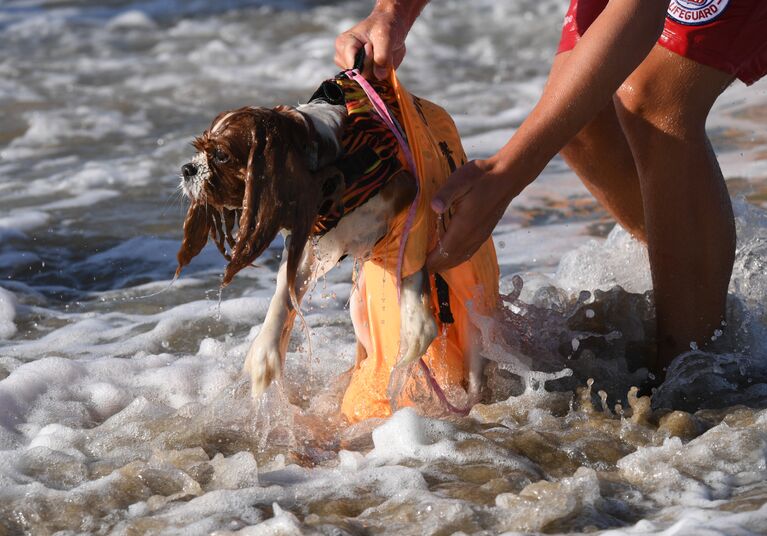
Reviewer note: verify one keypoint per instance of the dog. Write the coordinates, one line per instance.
(258, 172)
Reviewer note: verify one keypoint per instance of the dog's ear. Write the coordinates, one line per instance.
(305, 192)
(258, 224)
(196, 228)
(279, 193)
(301, 189)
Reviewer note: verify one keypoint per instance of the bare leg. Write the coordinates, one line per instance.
(662, 108)
(417, 326)
(358, 310)
(600, 155)
(677, 188)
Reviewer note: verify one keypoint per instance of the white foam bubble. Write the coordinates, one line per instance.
(24, 220)
(8, 307)
(283, 523)
(705, 469)
(407, 435)
(86, 199)
(131, 20)
(619, 260)
(59, 438)
(21, 389)
(106, 398)
(52, 130)
(237, 471)
(541, 503)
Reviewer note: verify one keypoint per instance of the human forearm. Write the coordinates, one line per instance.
(615, 44)
(407, 10)
(477, 194)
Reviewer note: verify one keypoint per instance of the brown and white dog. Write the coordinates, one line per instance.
(261, 171)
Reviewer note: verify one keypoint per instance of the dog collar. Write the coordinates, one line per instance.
(313, 147)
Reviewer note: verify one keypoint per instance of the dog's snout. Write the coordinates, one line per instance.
(189, 170)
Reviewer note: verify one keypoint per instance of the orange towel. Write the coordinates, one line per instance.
(437, 151)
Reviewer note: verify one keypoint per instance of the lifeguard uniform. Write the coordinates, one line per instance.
(728, 35)
(372, 156)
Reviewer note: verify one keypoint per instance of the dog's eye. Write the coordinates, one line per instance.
(220, 156)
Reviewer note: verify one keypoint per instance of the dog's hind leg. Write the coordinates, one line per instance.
(417, 325)
(359, 313)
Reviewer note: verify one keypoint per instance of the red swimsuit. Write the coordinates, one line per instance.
(728, 35)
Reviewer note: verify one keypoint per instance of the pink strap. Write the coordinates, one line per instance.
(440, 393)
(383, 112)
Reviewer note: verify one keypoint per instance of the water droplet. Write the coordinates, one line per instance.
(440, 248)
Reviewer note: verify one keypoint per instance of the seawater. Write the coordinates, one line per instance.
(122, 408)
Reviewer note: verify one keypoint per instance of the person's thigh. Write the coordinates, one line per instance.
(727, 35)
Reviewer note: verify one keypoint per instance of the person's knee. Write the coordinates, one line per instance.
(669, 94)
(639, 107)
(647, 107)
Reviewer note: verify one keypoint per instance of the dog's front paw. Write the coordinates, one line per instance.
(264, 365)
(417, 331)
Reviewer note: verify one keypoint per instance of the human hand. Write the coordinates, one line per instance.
(472, 202)
(382, 34)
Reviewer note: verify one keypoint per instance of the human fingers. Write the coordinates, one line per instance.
(456, 245)
(367, 64)
(391, 58)
(381, 53)
(457, 185)
(472, 202)
(347, 46)
(398, 55)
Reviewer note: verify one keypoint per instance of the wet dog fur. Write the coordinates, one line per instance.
(258, 172)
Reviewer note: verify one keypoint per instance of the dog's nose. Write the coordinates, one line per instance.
(189, 170)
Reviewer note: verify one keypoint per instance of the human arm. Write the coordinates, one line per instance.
(479, 192)
(382, 34)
